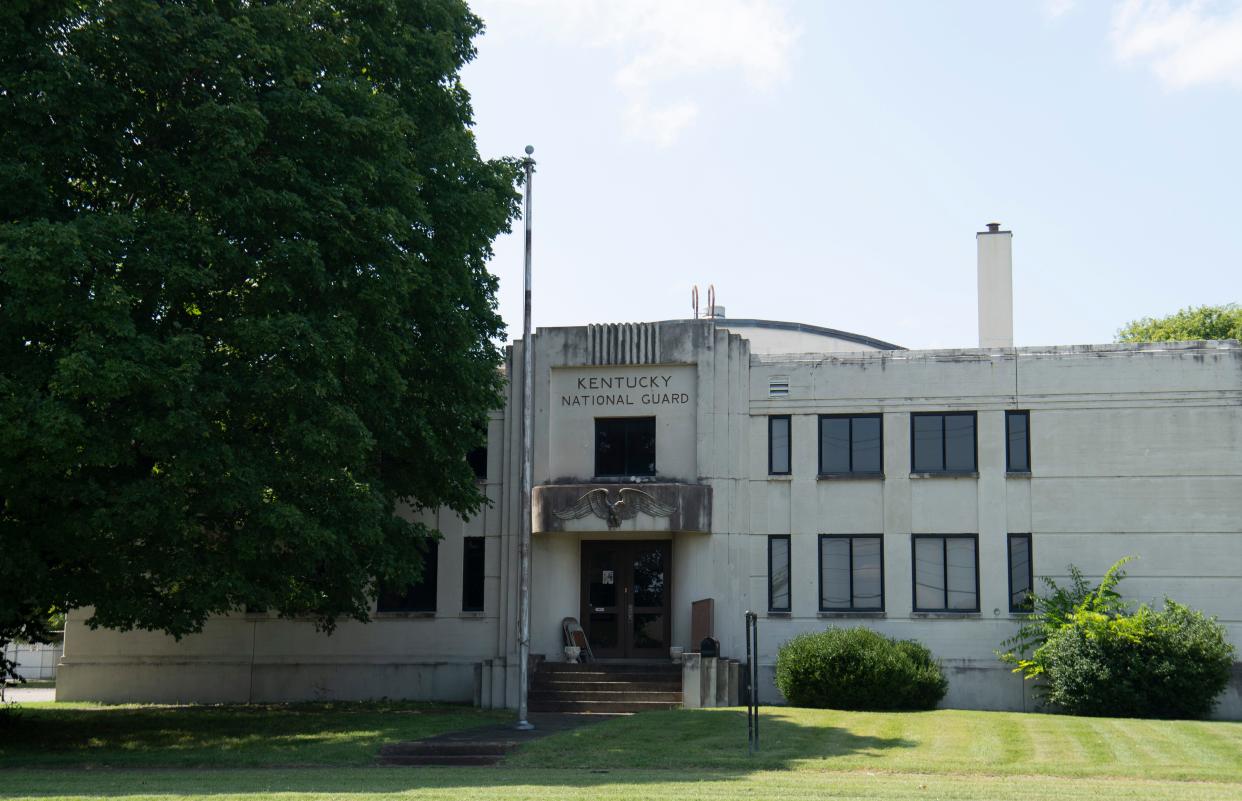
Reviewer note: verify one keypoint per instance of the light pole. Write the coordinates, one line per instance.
(528, 419)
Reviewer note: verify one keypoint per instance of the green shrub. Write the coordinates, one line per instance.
(1171, 663)
(858, 669)
(1093, 656)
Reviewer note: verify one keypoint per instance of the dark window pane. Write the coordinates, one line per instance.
(603, 630)
(834, 445)
(640, 447)
(960, 553)
(474, 551)
(1018, 431)
(609, 447)
(648, 631)
(778, 445)
(959, 442)
(1020, 572)
(778, 573)
(477, 459)
(419, 597)
(868, 583)
(834, 581)
(929, 573)
(602, 578)
(625, 446)
(649, 577)
(866, 445)
(928, 443)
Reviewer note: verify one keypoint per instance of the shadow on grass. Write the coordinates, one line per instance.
(713, 739)
(220, 736)
(651, 748)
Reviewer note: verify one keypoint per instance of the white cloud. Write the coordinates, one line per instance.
(658, 44)
(1186, 44)
(1055, 9)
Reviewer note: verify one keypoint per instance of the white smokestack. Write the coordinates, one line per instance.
(995, 287)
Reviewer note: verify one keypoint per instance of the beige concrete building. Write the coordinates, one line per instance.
(815, 476)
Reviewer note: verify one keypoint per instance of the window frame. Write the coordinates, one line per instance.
(431, 561)
(789, 571)
(465, 575)
(1030, 570)
(789, 422)
(914, 573)
(944, 471)
(654, 446)
(819, 430)
(1025, 413)
(851, 608)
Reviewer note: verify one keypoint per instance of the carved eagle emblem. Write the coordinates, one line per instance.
(629, 502)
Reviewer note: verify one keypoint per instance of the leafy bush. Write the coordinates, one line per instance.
(858, 669)
(1096, 657)
(1171, 663)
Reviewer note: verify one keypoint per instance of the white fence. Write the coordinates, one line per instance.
(35, 662)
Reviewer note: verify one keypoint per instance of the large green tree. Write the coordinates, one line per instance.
(245, 313)
(1201, 322)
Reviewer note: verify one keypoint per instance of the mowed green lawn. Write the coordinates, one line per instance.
(680, 755)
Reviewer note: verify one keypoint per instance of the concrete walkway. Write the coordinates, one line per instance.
(485, 745)
(28, 695)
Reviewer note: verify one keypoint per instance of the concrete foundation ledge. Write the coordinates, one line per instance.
(232, 681)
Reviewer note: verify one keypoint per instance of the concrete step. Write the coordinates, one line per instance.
(596, 695)
(545, 683)
(612, 676)
(460, 760)
(601, 707)
(609, 667)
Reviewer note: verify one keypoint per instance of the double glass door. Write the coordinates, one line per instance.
(625, 598)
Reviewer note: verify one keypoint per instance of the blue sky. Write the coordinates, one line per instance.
(830, 162)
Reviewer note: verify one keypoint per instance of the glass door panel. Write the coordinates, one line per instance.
(649, 599)
(602, 611)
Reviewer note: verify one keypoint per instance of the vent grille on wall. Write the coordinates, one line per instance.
(778, 387)
(625, 343)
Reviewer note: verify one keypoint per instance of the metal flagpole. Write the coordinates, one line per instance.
(528, 418)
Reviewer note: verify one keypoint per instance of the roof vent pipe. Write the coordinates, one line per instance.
(995, 252)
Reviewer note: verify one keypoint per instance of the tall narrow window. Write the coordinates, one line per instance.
(472, 567)
(1021, 573)
(1018, 442)
(851, 444)
(778, 574)
(417, 597)
(851, 573)
(778, 445)
(946, 573)
(942, 442)
(625, 446)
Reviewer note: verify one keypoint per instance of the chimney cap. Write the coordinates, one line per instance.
(993, 228)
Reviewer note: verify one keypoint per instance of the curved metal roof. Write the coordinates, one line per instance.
(779, 325)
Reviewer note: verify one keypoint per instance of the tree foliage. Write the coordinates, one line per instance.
(245, 314)
(1202, 322)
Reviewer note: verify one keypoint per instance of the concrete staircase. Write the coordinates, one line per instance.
(605, 688)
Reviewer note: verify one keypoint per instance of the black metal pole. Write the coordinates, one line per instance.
(750, 725)
(754, 681)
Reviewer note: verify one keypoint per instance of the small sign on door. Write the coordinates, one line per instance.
(607, 579)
